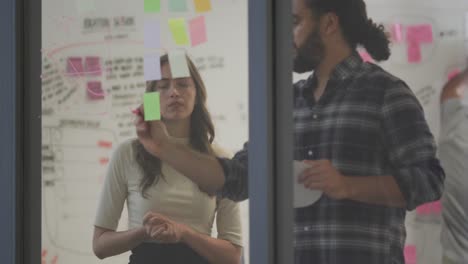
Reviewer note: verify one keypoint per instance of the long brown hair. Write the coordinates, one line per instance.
(202, 132)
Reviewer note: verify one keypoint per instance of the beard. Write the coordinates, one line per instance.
(310, 54)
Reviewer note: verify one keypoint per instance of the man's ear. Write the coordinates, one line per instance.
(329, 24)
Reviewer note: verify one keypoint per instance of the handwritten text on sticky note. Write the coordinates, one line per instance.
(151, 105)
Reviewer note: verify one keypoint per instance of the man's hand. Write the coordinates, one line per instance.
(323, 176)
(151, 134)
(455, 87)
(163, 229)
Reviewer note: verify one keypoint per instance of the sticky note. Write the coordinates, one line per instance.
(420, 33)
(152, 33)
(152, 67)
(437, 207)
(178, 63)
(397, 32)
(85, 6)
(152, 6)
(466, 27)
(75, 66)
(177, 5)
(93, 66)
(202, 5)
(414, 52)
(178, 29)
(151, 106)
(424, 209)
(366, 56)
(105, 144)
(197, 31)
(410, 254)
(453, 73)
(95, 91)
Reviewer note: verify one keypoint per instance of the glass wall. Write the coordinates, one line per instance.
(100, 62)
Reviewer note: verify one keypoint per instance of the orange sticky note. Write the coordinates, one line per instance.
(197, 31)
(202, 6)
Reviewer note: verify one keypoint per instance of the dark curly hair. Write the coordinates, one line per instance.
(357, 28)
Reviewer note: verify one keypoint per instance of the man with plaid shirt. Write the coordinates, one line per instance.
(361, 131)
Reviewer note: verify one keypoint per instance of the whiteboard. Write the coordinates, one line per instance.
(446, 54)
(81, 129)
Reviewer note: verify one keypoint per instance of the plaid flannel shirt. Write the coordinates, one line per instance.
(367, 123)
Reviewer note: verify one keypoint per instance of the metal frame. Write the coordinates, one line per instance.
(8, 133)
(30, 202)
(271, 141)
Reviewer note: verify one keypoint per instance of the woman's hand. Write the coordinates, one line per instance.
(152, 135)
(163, 229)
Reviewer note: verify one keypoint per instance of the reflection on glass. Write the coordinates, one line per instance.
(361, 136)
(101, 59)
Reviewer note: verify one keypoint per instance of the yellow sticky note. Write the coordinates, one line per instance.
(202, 5)
(178, 28)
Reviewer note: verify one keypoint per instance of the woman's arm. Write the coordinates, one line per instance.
(216, 251)
(108, 243)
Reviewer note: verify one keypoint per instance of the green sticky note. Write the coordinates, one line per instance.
(152, 6)
(178, 5)
(151, 105)
(178, 28)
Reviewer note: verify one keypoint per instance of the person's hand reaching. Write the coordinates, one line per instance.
(152, 135)
(455, 87)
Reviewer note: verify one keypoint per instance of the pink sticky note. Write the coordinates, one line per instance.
(436, 207)
(410, 254)
(420, 33)
(75, 66)
(365, 56)
(424, 209)
(93, 66)
(197, 31)
(452, 74)
(396, 30)
(95, 91)
(414, 52)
